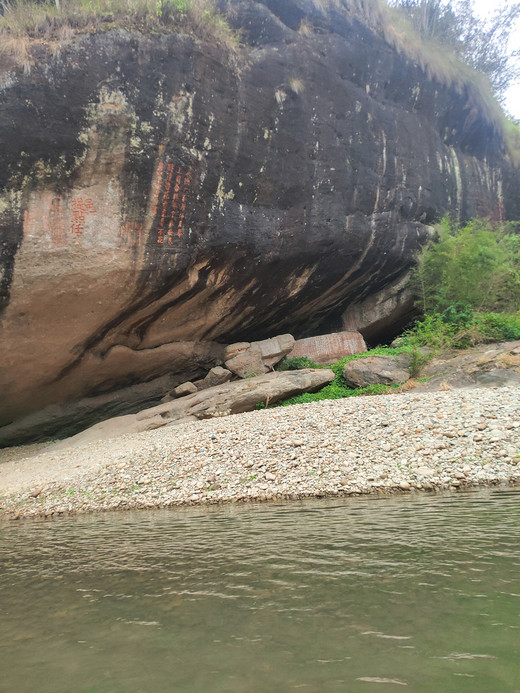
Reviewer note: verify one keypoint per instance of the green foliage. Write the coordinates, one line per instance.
(296, 364)
(337, 389)
(496, 327)
(476, 267)
(439, 333)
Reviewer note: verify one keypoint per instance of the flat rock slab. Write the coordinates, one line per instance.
(328, 348)
(230, 398)
(486, 365)
(377, 370)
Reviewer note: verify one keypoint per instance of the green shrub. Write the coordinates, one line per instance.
(336, 391)
(296, 364)
(498, 326)
(439, 333)
(471, 268)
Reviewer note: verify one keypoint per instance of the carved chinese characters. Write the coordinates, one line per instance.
(171, 189)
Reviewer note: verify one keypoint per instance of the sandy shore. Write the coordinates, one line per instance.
(396, 443)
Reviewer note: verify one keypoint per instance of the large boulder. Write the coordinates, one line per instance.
(486, 365)
(377, 370)
(258, 357)
(162, 195)
(216, 376)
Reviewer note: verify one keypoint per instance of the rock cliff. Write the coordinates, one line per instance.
(163, 195)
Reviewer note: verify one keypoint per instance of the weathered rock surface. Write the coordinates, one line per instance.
(185, 389)
(487, 365)
(231, 398)
(377, 370)
(163, 195)
(388, 311)
(329, 348)
(60, 420)
(216, 376)
(258, 357)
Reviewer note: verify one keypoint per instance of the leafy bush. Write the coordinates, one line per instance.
(336, 391)
(296, 364)
(498, 326)
(469, 283)
(471, 268)
(439, 333)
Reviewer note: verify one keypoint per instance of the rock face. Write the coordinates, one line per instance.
(222, 400)
(386, 311)
(162, 195)
(216, 376)
(487, 365)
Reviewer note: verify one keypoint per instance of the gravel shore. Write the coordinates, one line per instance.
(395, 443)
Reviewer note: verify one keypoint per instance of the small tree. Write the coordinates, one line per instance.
(476, 266)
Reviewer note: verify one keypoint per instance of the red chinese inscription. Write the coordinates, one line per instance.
(80, 208)
(56, 222)
(170, 193)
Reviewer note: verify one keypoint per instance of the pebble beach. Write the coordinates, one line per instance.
(400, 443)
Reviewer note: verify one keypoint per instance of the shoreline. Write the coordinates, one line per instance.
(383, 445)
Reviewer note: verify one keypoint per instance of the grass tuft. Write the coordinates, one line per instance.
(54, 23)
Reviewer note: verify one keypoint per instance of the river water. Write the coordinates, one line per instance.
(346, 595)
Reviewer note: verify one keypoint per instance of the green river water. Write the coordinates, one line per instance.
(347, 595)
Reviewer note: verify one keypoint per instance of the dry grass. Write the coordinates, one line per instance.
(55, 22)
(408, 385)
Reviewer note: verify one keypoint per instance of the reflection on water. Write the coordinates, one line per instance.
(345, 595)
